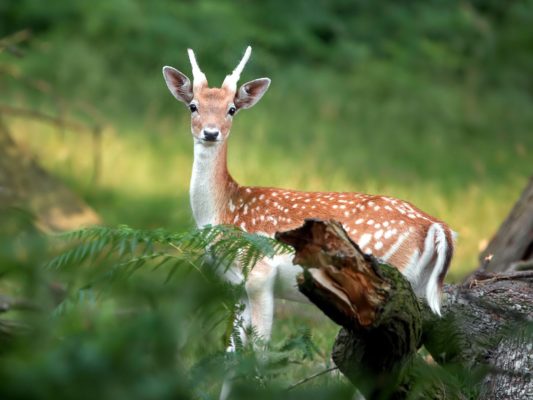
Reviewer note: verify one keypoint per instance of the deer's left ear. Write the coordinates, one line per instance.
(251, 92)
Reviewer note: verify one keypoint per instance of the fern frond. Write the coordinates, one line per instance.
(130, 249)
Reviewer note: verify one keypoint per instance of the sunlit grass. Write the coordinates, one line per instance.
(145, 177)
(459, 154)
(469, 180)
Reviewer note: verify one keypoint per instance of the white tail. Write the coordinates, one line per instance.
(393, 230)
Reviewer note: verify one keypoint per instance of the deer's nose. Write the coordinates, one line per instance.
(211, 136)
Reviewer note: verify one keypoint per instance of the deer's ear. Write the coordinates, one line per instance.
(251, 92)
(178, 84)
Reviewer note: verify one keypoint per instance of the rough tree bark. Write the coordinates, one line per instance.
(481, 345)
(512, 246)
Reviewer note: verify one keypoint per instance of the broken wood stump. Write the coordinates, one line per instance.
(384, 324)
(511, 248)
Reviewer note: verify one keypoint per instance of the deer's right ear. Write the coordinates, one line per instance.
(178, 84)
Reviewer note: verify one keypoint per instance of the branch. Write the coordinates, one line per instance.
(480, 345)
(8, 304)
(60, 122)
(307, 379)
(9, 42)
(376, 306)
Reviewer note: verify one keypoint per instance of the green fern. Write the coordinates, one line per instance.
(131, 249)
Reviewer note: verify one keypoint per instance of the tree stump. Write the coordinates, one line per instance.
(480, 348)
(511, 248)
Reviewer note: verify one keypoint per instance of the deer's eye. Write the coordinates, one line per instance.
(232, 110)
(193, 107)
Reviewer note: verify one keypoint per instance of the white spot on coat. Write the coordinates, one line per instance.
(364, 239)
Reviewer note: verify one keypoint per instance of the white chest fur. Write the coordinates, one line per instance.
(203, 186)
(203, 195)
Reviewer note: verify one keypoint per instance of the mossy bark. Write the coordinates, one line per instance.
(380, 314)
(480, 348)
(511, 248)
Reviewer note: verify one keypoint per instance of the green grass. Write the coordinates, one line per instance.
(459, 155)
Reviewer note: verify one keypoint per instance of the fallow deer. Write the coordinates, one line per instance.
(393, 230)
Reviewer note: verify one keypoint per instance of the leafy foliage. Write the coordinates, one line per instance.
(133, 248)
(122, 312)
(129, 40)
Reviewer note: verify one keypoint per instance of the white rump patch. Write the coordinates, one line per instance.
(425, 282)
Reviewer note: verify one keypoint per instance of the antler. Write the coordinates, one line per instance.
(199, 78)
(231, 80)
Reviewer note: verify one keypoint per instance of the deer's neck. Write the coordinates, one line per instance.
(211, 184)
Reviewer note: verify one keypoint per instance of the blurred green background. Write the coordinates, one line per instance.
(429, 101)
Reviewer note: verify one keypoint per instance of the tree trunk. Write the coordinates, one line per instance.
(481, 347)
(25, 185)
(489, 320)
(512, 246)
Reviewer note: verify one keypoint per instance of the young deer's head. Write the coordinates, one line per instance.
(212, 109)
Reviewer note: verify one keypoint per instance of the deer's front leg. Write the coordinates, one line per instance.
(260, 291)
(257, 309)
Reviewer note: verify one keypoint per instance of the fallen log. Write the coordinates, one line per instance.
(511, 248)
(480, 348)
